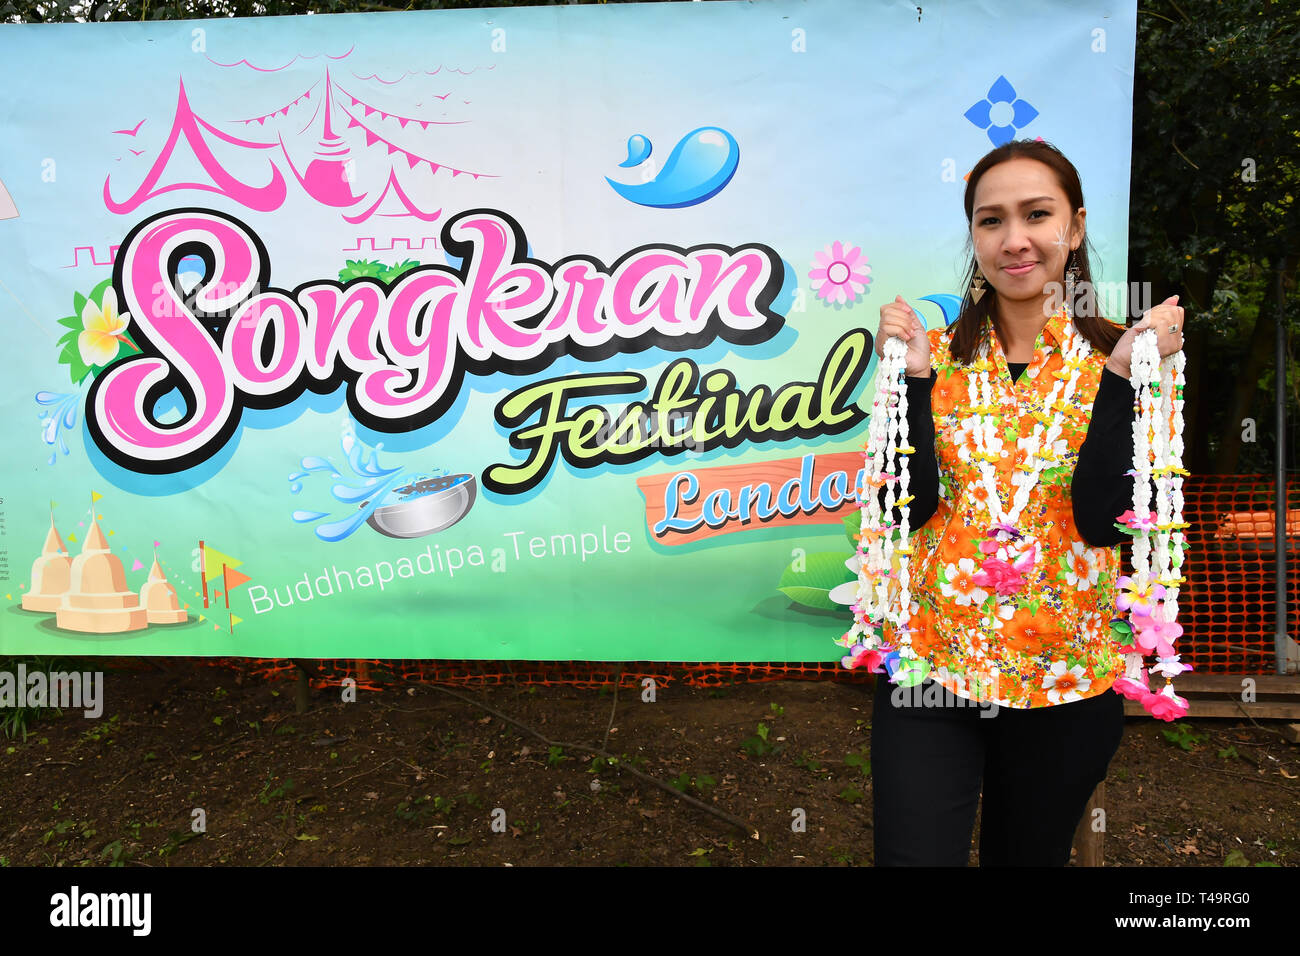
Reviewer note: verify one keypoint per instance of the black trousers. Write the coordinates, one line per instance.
(1037, 768)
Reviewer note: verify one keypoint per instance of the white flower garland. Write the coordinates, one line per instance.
(886, 460)
(1158, 455)
(1025, 477)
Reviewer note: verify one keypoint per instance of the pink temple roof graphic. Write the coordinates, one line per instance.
(342, 131)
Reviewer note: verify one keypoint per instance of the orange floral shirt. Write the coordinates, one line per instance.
(1051, 642)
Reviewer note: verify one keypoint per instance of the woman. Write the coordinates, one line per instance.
(1021, 416)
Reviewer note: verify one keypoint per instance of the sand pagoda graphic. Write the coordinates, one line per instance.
(98, 600)
(159, 598)
(51, 574)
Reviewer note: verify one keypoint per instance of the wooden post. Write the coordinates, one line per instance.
(302, 693)
(363, 672)
(1089, 842)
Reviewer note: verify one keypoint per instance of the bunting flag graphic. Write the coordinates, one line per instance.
(232, 579)
(214, 564)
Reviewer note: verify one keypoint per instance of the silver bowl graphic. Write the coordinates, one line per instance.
(425, 506)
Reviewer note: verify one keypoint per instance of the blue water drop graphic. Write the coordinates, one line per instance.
(700, 165)
(64, 416)
(638, 151)
(376, 481)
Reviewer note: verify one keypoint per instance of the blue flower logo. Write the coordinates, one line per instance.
(1001, 114)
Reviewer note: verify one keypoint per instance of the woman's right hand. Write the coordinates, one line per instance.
(897, 319)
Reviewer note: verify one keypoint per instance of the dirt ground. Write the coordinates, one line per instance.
(411, 774)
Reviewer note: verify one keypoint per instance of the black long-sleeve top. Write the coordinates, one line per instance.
(1100, 488)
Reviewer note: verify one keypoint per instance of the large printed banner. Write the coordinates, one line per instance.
(535, 333)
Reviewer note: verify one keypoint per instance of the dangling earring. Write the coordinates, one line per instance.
(1071, 277)
(977, 284)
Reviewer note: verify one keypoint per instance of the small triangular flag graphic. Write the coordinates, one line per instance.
(214, 561)
(235, 578)
(95, 496)
(73, 537)
(157, 544)
(235, 619)
(137, 566)
(202, 617)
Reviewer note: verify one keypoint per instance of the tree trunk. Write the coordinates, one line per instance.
(1245, 393)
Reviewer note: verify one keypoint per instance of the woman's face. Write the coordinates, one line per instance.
(1023, 229)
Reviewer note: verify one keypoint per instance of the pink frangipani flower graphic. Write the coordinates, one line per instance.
(872, 658)
(840, 276)
(1153, 634)
(1003, 576)
(1170, 666)
(1131, 688)
(1166, 705)
(1132, 596)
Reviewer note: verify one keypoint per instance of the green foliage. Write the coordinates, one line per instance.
(268, 793)
(860, 760)
(809, 579)
(70, 352)
(1183, 735)
(853, 526)
(701, 783)
(759, 745)
(374, 269)
(17, 721)
(1212, 215)
(807, 762)
(1237, 858)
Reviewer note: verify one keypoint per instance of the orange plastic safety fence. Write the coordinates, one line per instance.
(1226, 608)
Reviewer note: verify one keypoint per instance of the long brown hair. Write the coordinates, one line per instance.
(968, 332)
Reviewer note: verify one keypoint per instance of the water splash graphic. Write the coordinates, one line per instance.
(372, 488)
(63, 415)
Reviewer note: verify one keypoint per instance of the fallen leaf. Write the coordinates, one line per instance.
(1289, 776)
(372, 795)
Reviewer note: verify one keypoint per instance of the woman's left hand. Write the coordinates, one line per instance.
(1167, 320)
